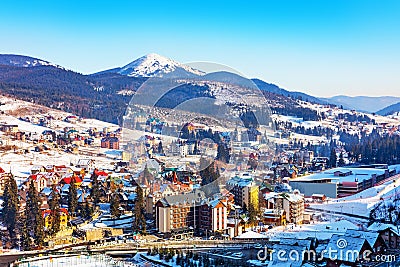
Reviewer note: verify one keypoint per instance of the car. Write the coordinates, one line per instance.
(258, 246)
(238, 254)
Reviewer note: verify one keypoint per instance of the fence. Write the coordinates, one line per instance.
(98, 260)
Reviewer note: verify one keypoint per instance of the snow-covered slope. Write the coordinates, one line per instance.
(153, 65)
(24, 61)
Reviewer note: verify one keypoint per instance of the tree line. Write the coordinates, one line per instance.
(27, 227)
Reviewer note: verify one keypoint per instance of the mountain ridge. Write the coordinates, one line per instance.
(24, 61)
(32, 78)
(105, 96)
(389, 110)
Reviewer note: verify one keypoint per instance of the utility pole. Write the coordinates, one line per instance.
(236, 232)
(194, 216)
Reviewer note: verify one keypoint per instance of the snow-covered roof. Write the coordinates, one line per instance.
(36, 168)
(343, 244)
(296, 242)
(355, 174)
(47, 191)
(294, 197)
(240, 181)
(370, 236)
(214, 203)
(396, 168)
(251, 235)
(65, 188)
(379, 227)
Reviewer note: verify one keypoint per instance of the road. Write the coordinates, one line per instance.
(126, 248)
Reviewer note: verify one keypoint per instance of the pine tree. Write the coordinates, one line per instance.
(33, 214)
(139, 222)
(39, 230)
(114, 206)
(332, 158)
(196, 148)
(160, 148)
(54, 205)
(252, 213)
(341, 160)
(95, 192)
(10, 206)
(146, 173)
(223, 153)
(72, 197)
(86, 210)
(208, 174)
(25, 240)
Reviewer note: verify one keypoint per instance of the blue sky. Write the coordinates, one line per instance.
(323, 48)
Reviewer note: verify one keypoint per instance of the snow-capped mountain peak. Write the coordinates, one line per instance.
(24, 61)
(154, 65)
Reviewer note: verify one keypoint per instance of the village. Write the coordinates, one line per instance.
(158, 187)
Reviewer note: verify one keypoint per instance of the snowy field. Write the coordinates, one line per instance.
(320, 230)
(13, 109)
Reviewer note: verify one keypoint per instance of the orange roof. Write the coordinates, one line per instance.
(67, 180)
(48, 212)
(100, 173)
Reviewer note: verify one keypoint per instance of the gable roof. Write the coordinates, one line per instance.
(48, 212)
(342, 245)
(371, 237)
(36, 168)
(215, 202)
(296, 242)
(68, 180)
(100, 173)
(380, 227)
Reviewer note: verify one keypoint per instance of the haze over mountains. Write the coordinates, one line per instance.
(363, 103)
(105, 94)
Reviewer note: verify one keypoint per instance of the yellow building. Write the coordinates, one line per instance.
(252, 192)
(63, 218)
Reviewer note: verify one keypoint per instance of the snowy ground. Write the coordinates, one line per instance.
(13, 109)
(20, 163)
(362, 203)
(320, 230)
(125, 221)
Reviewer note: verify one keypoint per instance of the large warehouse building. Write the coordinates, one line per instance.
(341, 182)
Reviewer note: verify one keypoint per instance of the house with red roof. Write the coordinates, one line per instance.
(39, 181)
